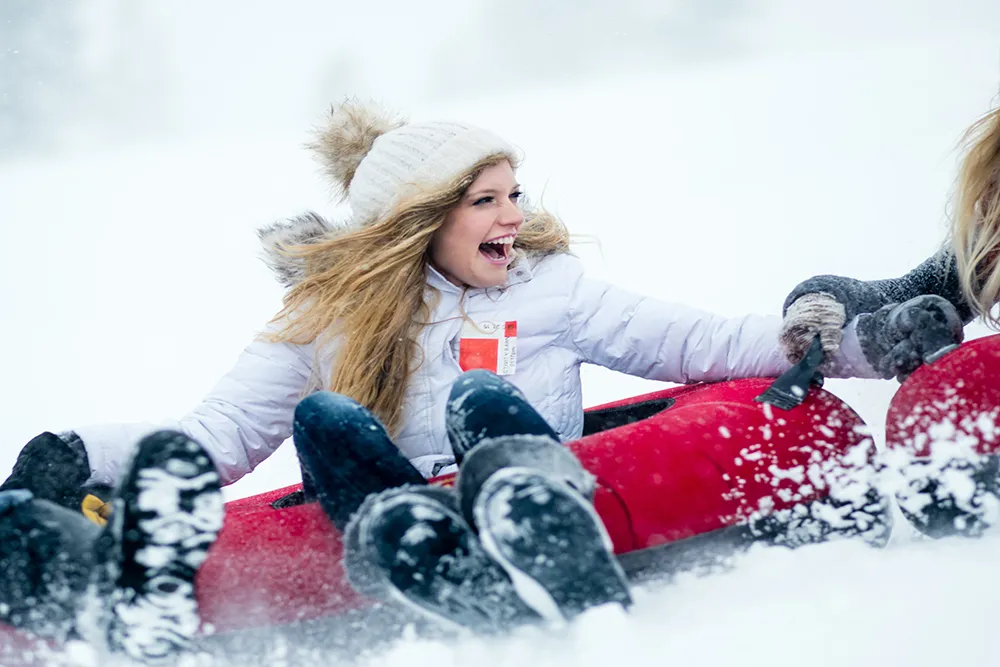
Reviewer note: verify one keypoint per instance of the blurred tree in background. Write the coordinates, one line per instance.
(546, 41)
(39, 51)
(77, 71)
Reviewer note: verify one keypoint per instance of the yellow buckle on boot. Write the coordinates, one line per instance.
(96, 509)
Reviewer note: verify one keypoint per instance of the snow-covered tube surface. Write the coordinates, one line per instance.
(955, 398)
(943, 438)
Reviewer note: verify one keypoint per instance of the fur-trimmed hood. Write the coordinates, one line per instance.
(306, 228)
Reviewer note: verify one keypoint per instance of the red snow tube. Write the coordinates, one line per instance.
(955, 399)
(707, 461)
(699, 458)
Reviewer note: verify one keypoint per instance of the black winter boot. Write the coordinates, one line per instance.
(550, 541)
(46, 557)
(168, 513)
(410, 545)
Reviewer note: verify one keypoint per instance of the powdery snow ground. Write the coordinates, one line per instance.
(128, 285)
(830, 605)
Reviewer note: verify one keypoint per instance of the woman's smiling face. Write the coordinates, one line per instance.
(475, 244)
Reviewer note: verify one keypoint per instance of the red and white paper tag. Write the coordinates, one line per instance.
(491, 346)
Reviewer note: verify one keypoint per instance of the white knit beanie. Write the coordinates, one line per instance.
(376, 159)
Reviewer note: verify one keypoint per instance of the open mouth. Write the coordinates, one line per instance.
(498, 251)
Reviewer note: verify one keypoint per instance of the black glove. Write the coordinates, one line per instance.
(55, 468)
(898, 338)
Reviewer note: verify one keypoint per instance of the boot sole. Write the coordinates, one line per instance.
(169, 513)
(454, 605)
(551, 542)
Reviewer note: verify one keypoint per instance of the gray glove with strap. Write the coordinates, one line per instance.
(823, 305)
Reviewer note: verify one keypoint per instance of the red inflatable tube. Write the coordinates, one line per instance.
(702, 458)
(708, 461)
(955, 398)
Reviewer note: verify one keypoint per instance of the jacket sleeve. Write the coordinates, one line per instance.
(241, 421)
(937, 274)
(670, 342)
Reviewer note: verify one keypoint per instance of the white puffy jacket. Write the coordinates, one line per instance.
(564, 319)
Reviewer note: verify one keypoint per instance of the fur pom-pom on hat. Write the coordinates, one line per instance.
(374, 157)
(349, 134)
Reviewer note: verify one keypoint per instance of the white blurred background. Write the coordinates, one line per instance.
(719, 150)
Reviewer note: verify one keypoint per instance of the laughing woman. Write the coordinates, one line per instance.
(444, 325)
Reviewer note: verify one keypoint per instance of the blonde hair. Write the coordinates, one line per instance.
(366, 288)
(975, 232)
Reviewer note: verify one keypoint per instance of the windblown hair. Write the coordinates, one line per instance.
(975, 232)
(363, 292)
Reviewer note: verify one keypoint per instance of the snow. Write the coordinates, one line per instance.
(836, 604)
(416, 534)
(129, 283)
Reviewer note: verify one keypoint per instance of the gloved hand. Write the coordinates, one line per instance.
(56, 468)
(811, 315)
(898, 338)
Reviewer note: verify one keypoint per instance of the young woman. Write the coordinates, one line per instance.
(446, 322)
